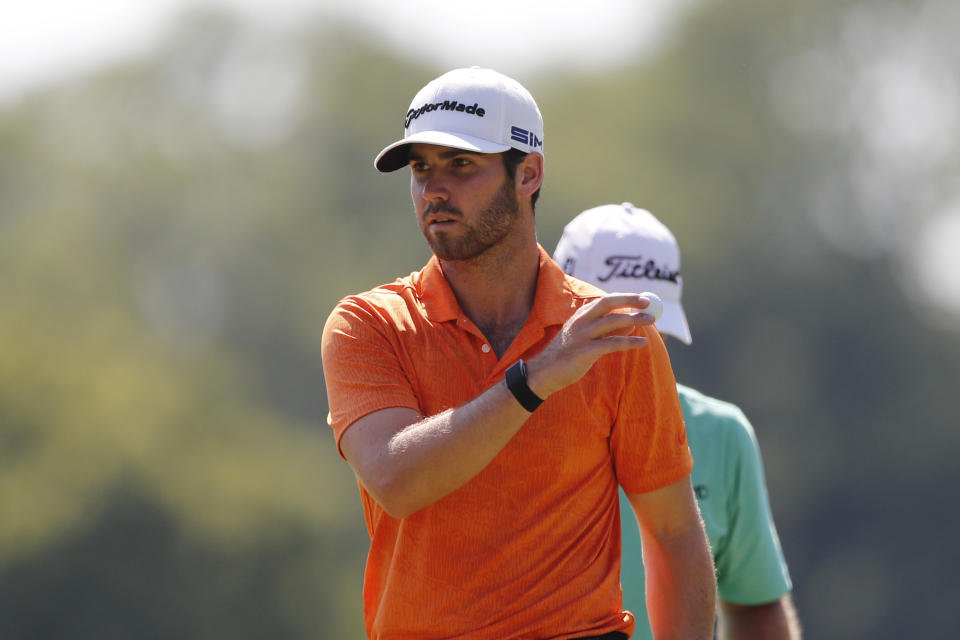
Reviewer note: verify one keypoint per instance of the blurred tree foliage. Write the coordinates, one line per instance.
(174, 231)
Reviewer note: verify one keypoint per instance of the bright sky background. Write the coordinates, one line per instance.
(44, 41)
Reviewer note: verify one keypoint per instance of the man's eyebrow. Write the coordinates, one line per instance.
(450, 153)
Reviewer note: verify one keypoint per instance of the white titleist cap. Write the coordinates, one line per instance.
(474, 109)
(620, 248)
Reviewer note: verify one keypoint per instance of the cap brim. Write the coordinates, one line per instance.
(394, 156)
(673, 322)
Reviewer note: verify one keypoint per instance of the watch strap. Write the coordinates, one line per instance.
(516, 377)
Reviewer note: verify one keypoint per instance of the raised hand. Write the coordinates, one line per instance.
(596, 329)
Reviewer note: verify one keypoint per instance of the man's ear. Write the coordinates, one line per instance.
(530, 174)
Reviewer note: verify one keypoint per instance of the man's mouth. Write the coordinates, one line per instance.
(440, 220)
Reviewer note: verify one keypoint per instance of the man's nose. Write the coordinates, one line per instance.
(434, 187)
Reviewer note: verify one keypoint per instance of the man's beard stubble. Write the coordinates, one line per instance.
(493, 224)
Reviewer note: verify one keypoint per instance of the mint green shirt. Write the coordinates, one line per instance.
(728, 480)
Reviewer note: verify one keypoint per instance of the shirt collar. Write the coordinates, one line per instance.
(552, 304)
(435, 293)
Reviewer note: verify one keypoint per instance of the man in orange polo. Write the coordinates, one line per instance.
(490, 407)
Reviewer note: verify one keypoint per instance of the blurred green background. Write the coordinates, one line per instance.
(176, 226)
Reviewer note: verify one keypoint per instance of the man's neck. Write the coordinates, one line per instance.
(496, 290)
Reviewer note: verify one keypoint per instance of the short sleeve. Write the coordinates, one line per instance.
(751, 568)
(649, 440)
(361, 367)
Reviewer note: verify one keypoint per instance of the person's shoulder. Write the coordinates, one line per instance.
(386, 303)
(700, 402)
(391, 294)
(581, 291)
(719, 418)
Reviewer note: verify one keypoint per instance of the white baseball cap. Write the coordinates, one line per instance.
(621, 248)
(474, 109)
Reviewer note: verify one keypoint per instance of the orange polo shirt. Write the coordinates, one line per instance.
(530, 547)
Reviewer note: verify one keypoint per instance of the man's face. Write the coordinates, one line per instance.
(465, 202)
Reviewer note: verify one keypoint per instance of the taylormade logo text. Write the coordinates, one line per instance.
(446, 105)
(636, 267)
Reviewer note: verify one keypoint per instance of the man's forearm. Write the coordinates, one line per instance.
(681, 587)
(424, 461)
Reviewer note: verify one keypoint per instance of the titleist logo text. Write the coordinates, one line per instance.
(636, 267)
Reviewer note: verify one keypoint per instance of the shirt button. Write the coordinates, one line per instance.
(485, 348)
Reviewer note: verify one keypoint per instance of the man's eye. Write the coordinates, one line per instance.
(418, 166)
(462, 162)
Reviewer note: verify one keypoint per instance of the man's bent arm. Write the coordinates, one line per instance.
(775, 620)
(407, 462)
(681, 586)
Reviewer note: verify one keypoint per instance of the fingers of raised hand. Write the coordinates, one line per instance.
(605, 327)
(615, 324)
(568, 357)
(612, 301)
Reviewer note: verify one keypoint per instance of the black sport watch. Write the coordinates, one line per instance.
(516, 377)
